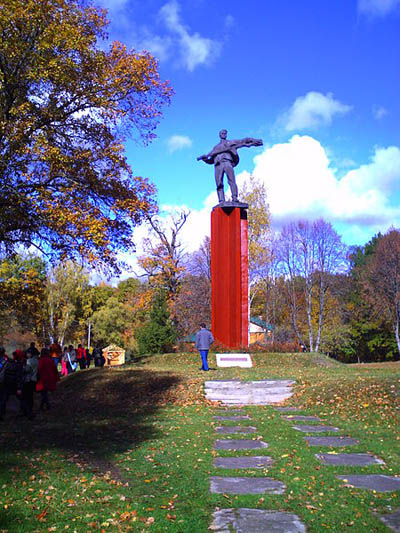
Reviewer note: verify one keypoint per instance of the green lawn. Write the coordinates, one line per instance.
(131, 449)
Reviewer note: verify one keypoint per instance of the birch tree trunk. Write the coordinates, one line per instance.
(397, 326)
(320, 312)
(309, 313)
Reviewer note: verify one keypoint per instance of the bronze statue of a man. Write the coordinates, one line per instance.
(225, 157)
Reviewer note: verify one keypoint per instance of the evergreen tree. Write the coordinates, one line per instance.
(159, 334)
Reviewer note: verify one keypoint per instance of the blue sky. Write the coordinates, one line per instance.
(318, 81)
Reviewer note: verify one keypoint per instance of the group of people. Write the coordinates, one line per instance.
(70, 358)
(23, 374)
(28, 371)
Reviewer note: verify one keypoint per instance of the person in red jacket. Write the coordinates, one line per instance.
(81, 356)
(47, 378)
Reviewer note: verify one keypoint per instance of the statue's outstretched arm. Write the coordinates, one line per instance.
(247, 141)
(207, 158)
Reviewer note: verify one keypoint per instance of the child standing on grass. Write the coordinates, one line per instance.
(64, 371)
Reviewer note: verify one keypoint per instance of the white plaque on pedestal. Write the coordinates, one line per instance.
(234, 359)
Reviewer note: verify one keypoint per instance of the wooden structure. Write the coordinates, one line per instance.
(113, 355)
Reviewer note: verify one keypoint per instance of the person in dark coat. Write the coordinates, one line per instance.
(204, 339)
(47, 378)
(88, 357)
(98, 356)
(29, 386)
(33, 350)
(13, 380)
(3, 361)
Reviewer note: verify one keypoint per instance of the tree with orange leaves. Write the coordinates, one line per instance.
(66, 107)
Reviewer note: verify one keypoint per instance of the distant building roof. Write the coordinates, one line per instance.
(258, 321)
(189, 338)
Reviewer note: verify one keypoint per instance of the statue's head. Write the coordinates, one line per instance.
(223, 134)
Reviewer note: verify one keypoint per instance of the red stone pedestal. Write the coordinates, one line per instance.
(229, 276)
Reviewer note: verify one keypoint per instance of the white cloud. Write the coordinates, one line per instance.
(378, 8)
(193, 49)
(379, 112)
(175, 40)
(301, 183)
(178, 142)
(313, 110)
(158, 46)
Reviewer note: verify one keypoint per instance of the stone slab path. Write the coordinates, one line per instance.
(243, 520)
(256, 521)
(235, 392)
(377, 482)
(392, 520)
(349, 459)
(267, 392)
(331, 441)
(243, 444)
(246, 485)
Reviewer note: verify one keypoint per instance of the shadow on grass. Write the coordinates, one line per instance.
(10, 520)
(95, 414)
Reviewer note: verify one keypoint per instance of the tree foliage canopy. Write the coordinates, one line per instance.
(255, 195)
(381, 281)
(66, 106)
(22, 290)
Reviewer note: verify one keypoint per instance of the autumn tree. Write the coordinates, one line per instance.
(310, 252)
(199, 262)
(371, 335)
(253, 193)
(66, 107)
(97, 295)
(163, 262)
(110, 324)
(266, 297)
(381, 281)
(22, 291)
(193, 304)
(66, 286)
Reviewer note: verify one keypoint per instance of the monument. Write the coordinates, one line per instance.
(229, 247)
